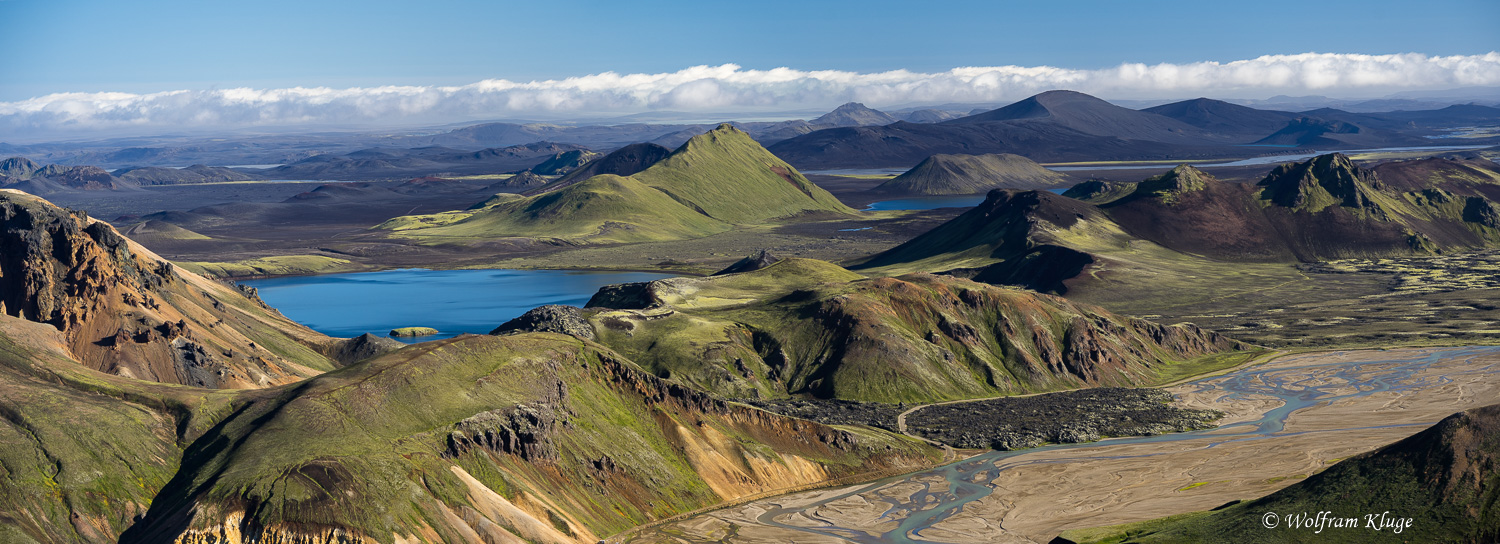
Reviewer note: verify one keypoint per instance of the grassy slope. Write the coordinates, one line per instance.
(83, 453)
(380, 431)
(808, 327)
(730, 177)
(603, 209)
(714, 181)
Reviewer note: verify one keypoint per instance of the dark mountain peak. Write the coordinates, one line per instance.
(1320, 182)
(854, 114)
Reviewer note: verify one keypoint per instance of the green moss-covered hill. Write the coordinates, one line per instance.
(1443, 478)
(971, 175)
(1320, 209)
(714, 181)
(806, 327)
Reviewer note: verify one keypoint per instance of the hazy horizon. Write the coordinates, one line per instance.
(160, 66)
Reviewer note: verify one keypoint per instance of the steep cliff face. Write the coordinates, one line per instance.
(537, 437)
(808, 327)
(125, 311)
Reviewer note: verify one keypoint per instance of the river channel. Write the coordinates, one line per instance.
(1360, 383)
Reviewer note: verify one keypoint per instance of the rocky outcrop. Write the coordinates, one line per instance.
(1060, 418)
(125, 311)
(562, 163)
(521, 181)
(751, 263)
(523, 430)
(626, 296)
(362, 347)
(1326, 180)
(550, 318)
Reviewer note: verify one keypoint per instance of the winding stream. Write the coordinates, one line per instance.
(1297, 387)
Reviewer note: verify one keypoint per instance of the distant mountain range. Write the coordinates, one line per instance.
(1072, 126)
(1055, 126)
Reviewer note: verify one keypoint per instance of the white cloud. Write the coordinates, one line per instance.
(730, 88)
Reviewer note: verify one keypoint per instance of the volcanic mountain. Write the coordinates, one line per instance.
(971, 174)
(1090, 115)
(1443, 478)
(1324, 208)
(854, 114)
(714, 181)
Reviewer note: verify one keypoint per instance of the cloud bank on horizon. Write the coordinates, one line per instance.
(730, 87)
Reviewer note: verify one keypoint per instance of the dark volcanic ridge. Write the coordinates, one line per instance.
(1324, 208)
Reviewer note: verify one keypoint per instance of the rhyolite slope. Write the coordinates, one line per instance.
(123, 310)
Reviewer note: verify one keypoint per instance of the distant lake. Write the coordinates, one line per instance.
(451, 301)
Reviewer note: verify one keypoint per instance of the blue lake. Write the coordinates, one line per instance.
(927, 203)
(451, 301)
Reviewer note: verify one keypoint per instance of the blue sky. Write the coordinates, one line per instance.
(52, 46)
